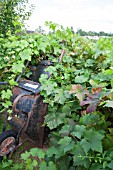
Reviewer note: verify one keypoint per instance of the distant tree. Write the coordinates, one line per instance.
(13, 13)
(101, 33)
(92, 33)
(40, 30)
(72, 29)
(81, 32)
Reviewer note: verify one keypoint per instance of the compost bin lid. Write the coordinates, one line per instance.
(46, 63)
(30, 86)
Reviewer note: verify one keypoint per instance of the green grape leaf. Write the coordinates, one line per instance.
(25, 155)
(17, 67)
(26, 54)
(96, 166)
(79, 157)
(52, 151)
(79, 131)
(92, 140)
(110, 165)
(37, 152)
(54, 119)
(81, 79)
(66, 144)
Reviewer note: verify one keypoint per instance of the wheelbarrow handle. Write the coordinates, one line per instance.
(16, 101)
(3, 83)
(18, 78)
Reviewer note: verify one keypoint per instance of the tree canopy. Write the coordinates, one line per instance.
(92, 33)
(13, 13)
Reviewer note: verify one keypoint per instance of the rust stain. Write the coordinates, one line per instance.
(31, 111)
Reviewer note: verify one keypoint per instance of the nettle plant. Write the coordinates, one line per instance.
(78, 93)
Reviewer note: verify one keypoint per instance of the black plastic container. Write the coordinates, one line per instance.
(40, 69)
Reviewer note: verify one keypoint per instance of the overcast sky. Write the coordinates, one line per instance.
(89, 15)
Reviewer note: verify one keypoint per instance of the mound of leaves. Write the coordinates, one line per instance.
(79, 95)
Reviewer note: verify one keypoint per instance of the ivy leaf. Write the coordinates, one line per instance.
(89, 62)
(26, 54)
(67, 59)
(109, 103)
(6, 164)
(93, 100)
(37, 152)
(6, 94)
(66, 108)
(92, 107)
(57, 50)
(6, 104)
(81, 79)
(59, 96)
(49, 86)
(79, 91)
(25, 155)
(43, 165)
(24, 44)
(97, 54)
(54, 119)
(65, 141)
(65, 129)
(52, 166)
(52, 151)
(34, 163)
(76, 88)
(90, 119)
(92, 140)
(42, 46)
(17, 67)
(12, 82)
(109, 71)
(93, 103)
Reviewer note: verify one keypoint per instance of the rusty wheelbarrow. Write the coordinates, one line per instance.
(28, 111)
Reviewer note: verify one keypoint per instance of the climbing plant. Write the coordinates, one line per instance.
(78, 93)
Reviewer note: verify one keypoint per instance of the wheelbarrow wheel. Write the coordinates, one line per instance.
(7, 143)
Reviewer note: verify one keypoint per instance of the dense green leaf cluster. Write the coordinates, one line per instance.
(13, 14)
(78, 93)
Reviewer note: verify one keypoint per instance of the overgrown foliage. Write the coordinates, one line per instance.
(79, 96)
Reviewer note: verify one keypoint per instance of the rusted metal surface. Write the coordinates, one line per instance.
(7, 145)
(30, 110)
